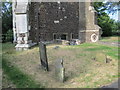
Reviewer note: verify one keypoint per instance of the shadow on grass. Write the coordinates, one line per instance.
(18, 78)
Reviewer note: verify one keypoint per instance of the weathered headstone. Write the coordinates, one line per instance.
(43, 56)
(59, 70)
(108, 59)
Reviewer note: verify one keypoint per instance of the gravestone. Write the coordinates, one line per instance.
(59, 70)
(43, 56)
(108, 59)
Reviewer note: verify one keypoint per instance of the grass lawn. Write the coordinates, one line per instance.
(111, 39)
(19, 79)
(81, 69)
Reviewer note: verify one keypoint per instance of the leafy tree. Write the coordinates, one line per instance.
(116, 28)
(6, 16)
(107, 24)
(118, 24)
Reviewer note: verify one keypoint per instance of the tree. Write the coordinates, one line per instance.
(116, 28)
(118, 24)
(6, 17)
(104, 21)
(107, 25)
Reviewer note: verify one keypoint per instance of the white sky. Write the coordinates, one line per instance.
(114, 16)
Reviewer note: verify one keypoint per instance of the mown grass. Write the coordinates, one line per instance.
(6, 82)
(8, 48)
(99, 69)
(20, 79)
(79, 62)
(111, 39)
(97, 48)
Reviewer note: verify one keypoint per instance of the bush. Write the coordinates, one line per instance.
(8, 37)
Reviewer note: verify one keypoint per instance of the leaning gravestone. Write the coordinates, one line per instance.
(43, 56)
(59, 70)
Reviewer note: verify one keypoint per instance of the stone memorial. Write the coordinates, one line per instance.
(43, 56)
(21, 22)
(108, 59)
(59, 70)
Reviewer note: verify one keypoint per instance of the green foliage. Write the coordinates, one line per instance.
(118, 24)
(111, 7)
(8, 37)
(107, 24)
(6, 16)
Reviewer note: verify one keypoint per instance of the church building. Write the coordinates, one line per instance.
(49, 21)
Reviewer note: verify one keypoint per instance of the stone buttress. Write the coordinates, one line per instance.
(89, 31)
(21, 25)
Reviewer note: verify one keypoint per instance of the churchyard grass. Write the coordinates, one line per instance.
(81, 70)
(12, 76)
(111, 39)
(18, 78)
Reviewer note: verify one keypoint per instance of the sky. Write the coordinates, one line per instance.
(115, 15)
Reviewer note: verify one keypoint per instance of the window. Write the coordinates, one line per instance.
(59, 36)
(74, 36)
(63, 37)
